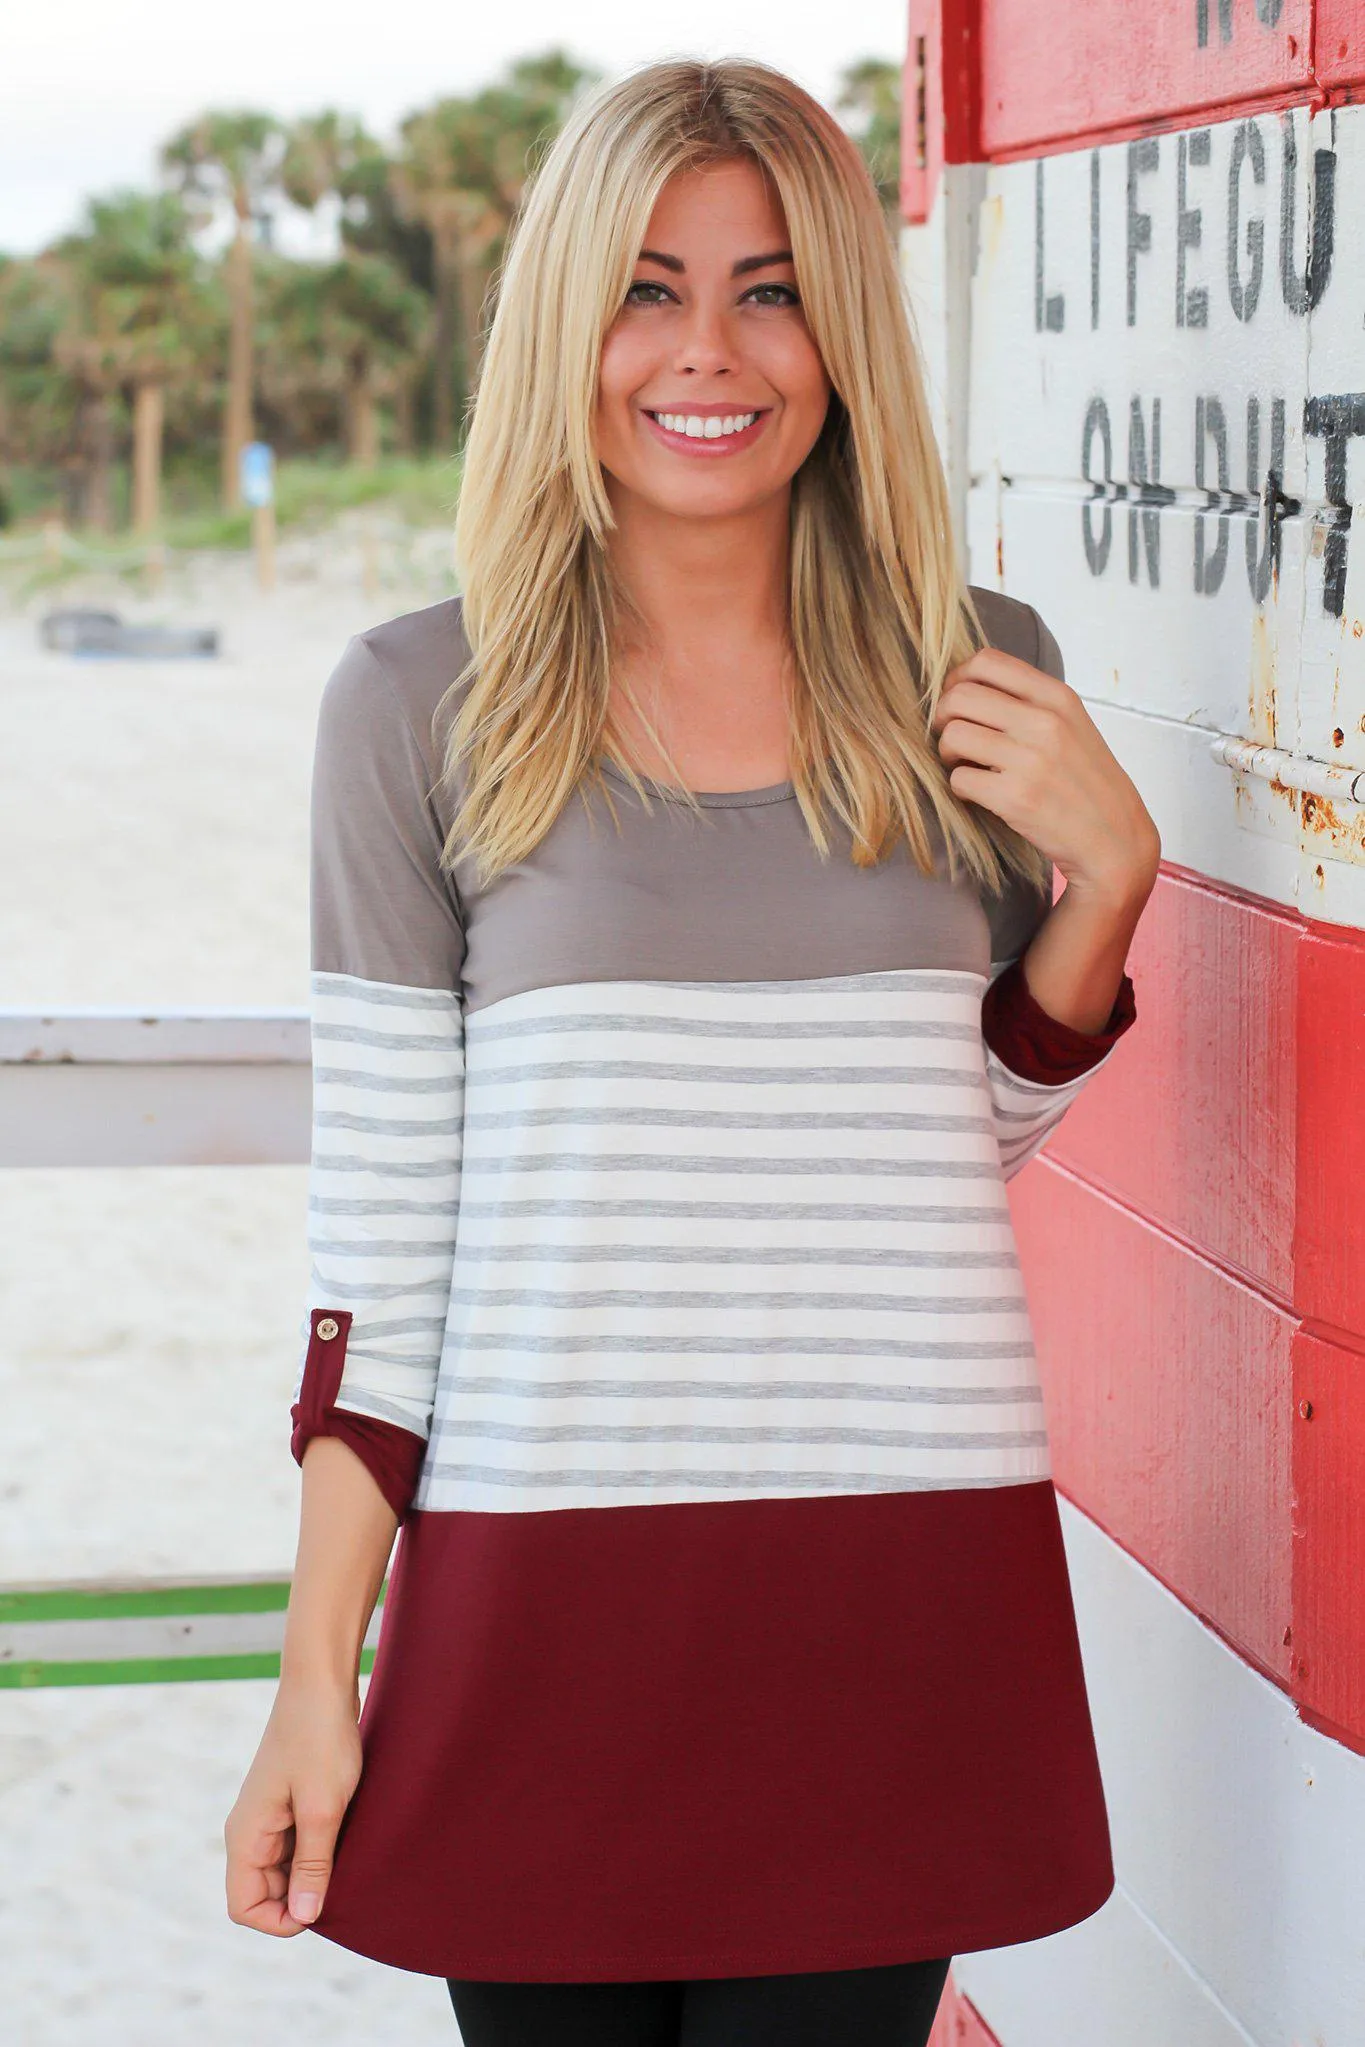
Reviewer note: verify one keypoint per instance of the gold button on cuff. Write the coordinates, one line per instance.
(327, 1329)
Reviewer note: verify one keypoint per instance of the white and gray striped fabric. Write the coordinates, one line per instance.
(384, 1186)
(669, 1241)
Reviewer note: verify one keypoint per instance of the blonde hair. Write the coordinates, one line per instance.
(879, 612)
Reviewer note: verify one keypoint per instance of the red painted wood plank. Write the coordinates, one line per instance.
(1169, 1399)
(1329, 1244)
(1193, 1120)
(959, 2023)
(940, 114)
(1328, 1676)
(1339, 47)
(1050, 77)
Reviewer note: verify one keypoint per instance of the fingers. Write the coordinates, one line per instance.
(979, 785)
(961, 740)
(1017, 678)
(256, 1878)
(310, 1868)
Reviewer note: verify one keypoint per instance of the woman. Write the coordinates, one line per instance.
(664, 1284)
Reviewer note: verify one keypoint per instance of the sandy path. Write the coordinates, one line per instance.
(153, 843)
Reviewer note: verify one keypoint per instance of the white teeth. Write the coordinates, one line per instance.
(713, 428)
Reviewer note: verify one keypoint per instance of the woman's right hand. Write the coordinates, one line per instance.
(281, 1833)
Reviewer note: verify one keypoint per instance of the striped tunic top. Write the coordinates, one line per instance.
(664, 1278)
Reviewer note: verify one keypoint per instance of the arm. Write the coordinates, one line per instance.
(281, 1833)
(383, 1190)
(1020, 742)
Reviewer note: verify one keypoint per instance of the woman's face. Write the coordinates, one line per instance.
(712, 392)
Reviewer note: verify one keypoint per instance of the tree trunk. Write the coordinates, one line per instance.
(149, 416)
(237, 427)
(362, 420)
(96, 496)
(447, 368)
(404, 417)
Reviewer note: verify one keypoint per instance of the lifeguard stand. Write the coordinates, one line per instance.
(1136, 245)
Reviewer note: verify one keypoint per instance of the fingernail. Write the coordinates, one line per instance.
(306, 1907)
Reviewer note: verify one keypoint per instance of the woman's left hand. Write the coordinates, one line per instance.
(1022, 744)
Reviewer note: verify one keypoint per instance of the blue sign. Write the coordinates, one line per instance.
(257, 474)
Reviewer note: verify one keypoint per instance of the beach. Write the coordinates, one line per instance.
(153, 829)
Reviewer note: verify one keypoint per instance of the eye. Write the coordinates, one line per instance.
(646, 284)
(791, 298)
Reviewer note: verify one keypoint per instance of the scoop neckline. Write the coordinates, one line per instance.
(711, 799)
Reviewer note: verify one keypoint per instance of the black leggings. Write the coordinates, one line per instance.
(888, 2007)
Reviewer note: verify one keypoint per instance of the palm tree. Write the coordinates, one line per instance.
(353, 328)
(463, 168)
(331, 156)
(871, 91)
(42, 404)
(232, 158)
(143, 287)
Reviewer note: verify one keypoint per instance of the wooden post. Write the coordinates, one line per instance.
(263, 540)
(149, 413)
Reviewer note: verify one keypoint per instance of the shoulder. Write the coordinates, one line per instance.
(1014, 627)
(396, 675)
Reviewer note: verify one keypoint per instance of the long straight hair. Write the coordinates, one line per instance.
(879, 611)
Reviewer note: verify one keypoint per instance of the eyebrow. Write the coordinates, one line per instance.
(740, 269)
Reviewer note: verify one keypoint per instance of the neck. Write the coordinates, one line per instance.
(703, 585)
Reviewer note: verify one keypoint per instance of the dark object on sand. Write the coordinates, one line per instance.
(80, 630)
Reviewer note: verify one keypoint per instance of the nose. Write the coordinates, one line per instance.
(705, 344)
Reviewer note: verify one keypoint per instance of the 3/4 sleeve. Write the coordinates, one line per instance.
(1035, 1064)
(388, 1065)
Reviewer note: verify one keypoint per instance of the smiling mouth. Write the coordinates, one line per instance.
(707, 428)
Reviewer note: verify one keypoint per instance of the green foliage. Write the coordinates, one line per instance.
(870, 93)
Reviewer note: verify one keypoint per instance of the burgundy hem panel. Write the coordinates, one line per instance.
(1036, 1046)
(392, 1455)
(723, 1738)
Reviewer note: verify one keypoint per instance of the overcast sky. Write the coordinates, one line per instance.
(89, 88)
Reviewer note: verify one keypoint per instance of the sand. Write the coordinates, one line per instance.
(154, 846)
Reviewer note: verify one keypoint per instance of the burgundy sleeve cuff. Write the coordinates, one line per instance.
(391, 1455)
(1034, 1045)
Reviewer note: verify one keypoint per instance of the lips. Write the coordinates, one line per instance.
(697, 444)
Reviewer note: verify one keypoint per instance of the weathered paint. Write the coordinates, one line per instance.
(1329, 1244)
(959, 2024)
(1169, 1397)
(1217, 1166)
(1329, 1550)
(1240, 1915)
(1116, 66)
(1152, 408)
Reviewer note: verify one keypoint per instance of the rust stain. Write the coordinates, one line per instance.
(1338, 737)
(1000, 554)
(1344, 835)
(1262, 679)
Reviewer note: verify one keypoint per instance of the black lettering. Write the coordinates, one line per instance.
(1097, 546)
(1048, 311)
(1245, 294)
(1150, 493)
(1210, 424)
(1201, 22)
(1192, 303)
(1094, 238)
(1339, 420)
(1303, 292)
(1263, 534)
(1143, 157)
(1268, 12)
